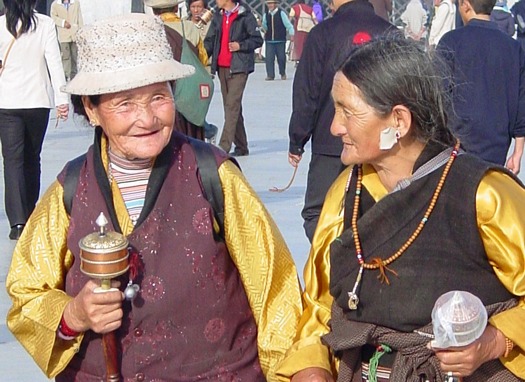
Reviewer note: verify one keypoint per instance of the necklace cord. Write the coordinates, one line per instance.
(378, 263)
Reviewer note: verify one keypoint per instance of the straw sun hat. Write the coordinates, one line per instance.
(123, 53)
(162, 3)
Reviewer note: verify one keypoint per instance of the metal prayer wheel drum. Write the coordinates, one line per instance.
(205, 18)
(104, 255)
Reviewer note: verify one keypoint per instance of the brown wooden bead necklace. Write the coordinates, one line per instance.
(378, 263)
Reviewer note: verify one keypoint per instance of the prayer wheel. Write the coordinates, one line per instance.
(104, 256)
(205, 18)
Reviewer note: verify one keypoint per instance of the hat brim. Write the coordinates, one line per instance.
(86, 83)
(163, 4)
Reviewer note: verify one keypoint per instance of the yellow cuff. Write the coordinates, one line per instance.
(308, 352)
(506, 323)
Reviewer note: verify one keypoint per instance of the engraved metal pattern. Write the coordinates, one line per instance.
(111, 241)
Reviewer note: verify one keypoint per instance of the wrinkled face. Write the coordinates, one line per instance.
(357, 123)
(196, 9)
(137, 122)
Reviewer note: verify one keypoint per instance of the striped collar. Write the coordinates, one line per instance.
(235, 9)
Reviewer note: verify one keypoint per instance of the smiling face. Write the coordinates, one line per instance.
(137, 122)
(357, 123)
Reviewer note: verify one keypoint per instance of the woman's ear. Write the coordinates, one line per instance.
(402, 119)
(91, 111)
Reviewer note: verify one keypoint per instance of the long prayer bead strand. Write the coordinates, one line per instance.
(378, 263)
(419, 228)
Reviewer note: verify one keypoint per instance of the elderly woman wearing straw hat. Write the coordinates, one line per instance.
(205, 310)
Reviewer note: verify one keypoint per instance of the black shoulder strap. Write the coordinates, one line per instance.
(71, 181)
(210, 180)
(207, 172)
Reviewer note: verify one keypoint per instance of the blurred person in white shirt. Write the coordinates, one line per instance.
(415, 19)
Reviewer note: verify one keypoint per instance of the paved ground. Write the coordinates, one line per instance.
(267, 108)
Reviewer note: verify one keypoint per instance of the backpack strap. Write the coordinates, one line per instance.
(211, 183)
(208, 174)
(71, 181)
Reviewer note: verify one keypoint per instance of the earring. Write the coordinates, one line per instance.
(93, 123)
(388, 138)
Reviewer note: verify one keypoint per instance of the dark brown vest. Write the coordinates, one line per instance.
(447, 255)
(191, 320)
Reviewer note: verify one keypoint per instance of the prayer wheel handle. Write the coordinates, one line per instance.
(104, 256)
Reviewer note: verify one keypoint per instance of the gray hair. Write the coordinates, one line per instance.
(392, 71)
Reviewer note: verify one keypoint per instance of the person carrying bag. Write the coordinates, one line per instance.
(193, 94)
(306, 21)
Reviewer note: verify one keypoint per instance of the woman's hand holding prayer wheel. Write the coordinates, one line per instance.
(91, 310)
(463, 361)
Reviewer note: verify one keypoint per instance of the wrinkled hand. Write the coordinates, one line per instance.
(294, 159)
(63, 111)
(463, 361)
(100, 312)
(234, 46)
(312, 374)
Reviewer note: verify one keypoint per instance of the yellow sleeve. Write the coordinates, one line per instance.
(501, 221)
(308, 351)
(35, 283)
(265, 265)
(203, 55)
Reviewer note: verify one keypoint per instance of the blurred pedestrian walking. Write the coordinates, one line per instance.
(444, 20)
(303, 21)
(31, 77)
(231, 41)
(276, 25)
(67, 16)
(488, 92)
(415, 19)
(503, 18)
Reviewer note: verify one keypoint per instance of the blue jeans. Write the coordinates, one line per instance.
(275, 49)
